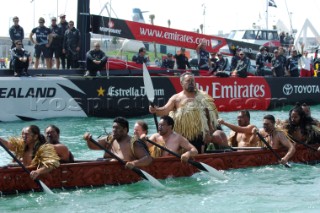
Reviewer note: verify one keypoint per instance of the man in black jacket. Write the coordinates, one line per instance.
(96, 60)
(71, 45)
(182, 60)
(16, 32)
(19, 60)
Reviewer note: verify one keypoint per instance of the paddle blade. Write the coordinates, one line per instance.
(45, 188)
(213, 172)
(152, 180)
(148, 86)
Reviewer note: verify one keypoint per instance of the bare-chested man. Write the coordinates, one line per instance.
(194, 113)
(121, 144)
(276, 138)
(52, 134)
(300, 127)
(172, 140)
(243, 134)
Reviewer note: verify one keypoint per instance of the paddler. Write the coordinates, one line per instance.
(276, 138)
(171, 140)
(121, 144)
(194, 113)
(34, 151)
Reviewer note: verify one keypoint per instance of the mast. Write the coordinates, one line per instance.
(83, 25)
(267, 15)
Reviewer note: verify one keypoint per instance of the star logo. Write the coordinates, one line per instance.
(101, 91)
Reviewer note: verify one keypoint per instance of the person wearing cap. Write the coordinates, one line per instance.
(71, 45)
(278, 64)
(63, 24)
(260, 61)
(292, 64)
(41, 43)
(56, 45)
(19, 60)
(168, 62)
(16, 32)
(182, 60)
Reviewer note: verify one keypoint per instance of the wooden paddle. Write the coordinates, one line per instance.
(304, 144)
(39, 182)
(270, 148)
(140, 172)
(148, 86)
(201, 166)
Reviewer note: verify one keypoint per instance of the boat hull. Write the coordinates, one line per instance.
(99, 173)
(50, 97)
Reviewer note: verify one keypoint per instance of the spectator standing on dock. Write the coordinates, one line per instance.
(19, 60)
(16, 32)
(292, 63)
(71, 46)
(278, 64)
(281, 37)
(306, 63)
(42, 42)
(235, 59)
(56, 45)
(260, 61)
(204, 62)
(96, 61)
(141, 57)
(182, 60)
(64, 26)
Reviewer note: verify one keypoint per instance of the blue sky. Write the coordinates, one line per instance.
(220, 15)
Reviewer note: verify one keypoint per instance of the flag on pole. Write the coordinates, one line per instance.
(272, 3)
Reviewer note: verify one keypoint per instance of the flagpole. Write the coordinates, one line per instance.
(267, 15)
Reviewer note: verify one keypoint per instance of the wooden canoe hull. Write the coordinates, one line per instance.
(99, 173)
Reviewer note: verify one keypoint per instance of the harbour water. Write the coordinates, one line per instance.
(260, 189)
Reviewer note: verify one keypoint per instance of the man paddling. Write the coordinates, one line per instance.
(276, 138)
(52, 134)
(122, 145)
(194, 113)
(171, 140)
(300, 126)
(34, 151)
(243, 134)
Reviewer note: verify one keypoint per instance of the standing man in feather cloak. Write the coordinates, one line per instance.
(194, 113)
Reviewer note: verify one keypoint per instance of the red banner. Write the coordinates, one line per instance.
(151, 33)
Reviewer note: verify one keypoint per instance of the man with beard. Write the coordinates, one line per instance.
(52, 134)
(276, 138)
(34, 151)
(194, 113)
(172, 140)
(301, 127)
(121, 144)
(243, 134)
